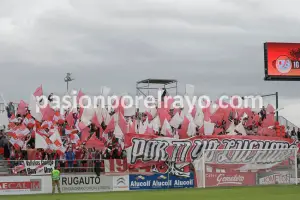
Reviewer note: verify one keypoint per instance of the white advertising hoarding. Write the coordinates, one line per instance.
(121, 183)
(85, 183)
(16, 185)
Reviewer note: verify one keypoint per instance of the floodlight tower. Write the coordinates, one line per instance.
(68, 79)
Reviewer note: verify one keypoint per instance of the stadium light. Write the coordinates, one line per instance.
(68, 79)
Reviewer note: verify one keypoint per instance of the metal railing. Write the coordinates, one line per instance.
(285, 122)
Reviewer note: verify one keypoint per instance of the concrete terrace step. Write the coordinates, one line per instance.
(3, 167)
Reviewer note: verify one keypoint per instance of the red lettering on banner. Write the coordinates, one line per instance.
(26, 185)
(120, 165)
(230, 179)
(117, 165)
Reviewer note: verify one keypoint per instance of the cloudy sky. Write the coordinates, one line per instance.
(216, 45)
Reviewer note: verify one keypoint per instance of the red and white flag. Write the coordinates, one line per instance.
(38, 92)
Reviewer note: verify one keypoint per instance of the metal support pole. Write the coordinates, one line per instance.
(277, 117)
(148, 86)
(203, 168)
(296, 166)
(67, 80)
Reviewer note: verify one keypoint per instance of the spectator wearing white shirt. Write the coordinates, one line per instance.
(288, 132)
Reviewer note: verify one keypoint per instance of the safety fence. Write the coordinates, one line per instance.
(214, 168)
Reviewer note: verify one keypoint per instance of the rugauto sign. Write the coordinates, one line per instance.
(86, 183)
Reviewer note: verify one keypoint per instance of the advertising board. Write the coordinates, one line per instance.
(160, 181)
(230, 179)
(16, 185)
(85, 183)
(275, 177)
(121, 183)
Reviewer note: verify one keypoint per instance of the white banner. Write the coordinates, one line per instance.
(121, 183)
(85, 183)
(17, 185)
(39, 167)
(276, 177)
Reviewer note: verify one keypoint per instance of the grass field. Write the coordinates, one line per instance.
(237, 193)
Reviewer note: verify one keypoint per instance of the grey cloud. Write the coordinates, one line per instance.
(119, 42)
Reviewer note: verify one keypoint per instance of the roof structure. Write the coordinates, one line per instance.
(158, 81)
(150, 86)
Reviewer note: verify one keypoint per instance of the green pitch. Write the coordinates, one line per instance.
(236, 193)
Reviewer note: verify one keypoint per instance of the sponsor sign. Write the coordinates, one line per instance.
(230, 179)
(275, 177)
(160, 181)
(85, 183)
(12, 185)
(121, 183)
(39, 167)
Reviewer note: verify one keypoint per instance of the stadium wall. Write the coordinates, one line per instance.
(88, 183)
(69, 183)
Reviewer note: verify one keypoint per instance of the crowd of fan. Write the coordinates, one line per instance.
(77, 156)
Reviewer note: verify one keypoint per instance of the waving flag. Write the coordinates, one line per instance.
(22, 131)
(40, 141)
(166, 129)
(22, 108)
(176, 120)
(132, 128)
(69, 130)
(95, 120)
(270, 109)
(74, 139)
(38, 92)
(122, 123)
(111, 126)
(163, 114)
(80, 94)
(57, 143)
(17, 143)
(70, 119)
(94, 142)
(48, 113)
(29, 121)
(85, 134)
